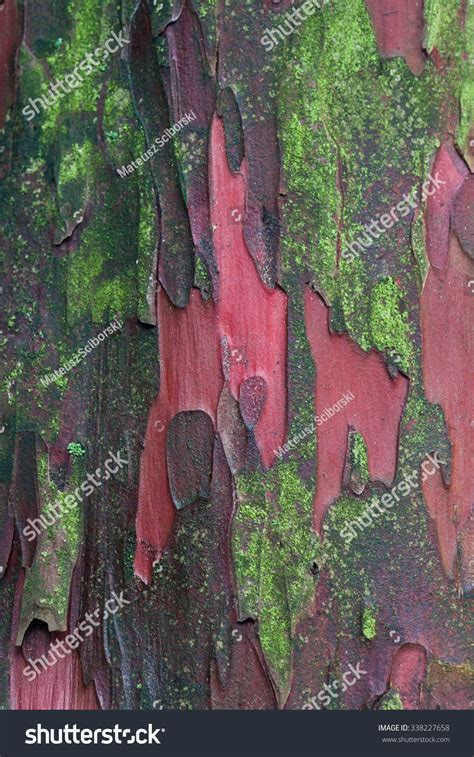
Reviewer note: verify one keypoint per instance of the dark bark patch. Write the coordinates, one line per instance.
(253, 395)
(463, 216)
(189, 448)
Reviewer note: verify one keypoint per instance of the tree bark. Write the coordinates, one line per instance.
(289, 269)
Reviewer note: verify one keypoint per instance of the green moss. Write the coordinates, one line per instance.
(123, 132)
(84, 271)
(274, 547)
(442, 27)
(102, 275)
(249, 533)
(391, 701)
(351, 299)
(466, 124)
(90, 28)
(455, 44)
(147, 245)
(126, 142)
(350, 569)
(369, 623)
(69, 518)
(389, 323)
(202, 278)
(75, 167)
(418, 247)
(76, 449)
(206, 7)
(310, 164)
(274, 616)
(294, 529)
(354, 129)
(47, 582)
(113, 297)
(424, 429)
(359, 459)
(344, 509)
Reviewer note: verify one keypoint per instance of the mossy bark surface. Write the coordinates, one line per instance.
(242, 323)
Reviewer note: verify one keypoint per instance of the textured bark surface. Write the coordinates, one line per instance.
(242, 321)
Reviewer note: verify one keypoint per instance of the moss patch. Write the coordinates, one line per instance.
(274, 548)
(369, 624)
(391, 701)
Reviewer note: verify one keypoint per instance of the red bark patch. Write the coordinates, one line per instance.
(228, 339)
(252, 318)
(190, 379)
(374, 412)
(452, 171)
(59, 687)
(398, 26)
(463, 215)
(407, 674)
(10, 36)
(447, 315)
(249, 686)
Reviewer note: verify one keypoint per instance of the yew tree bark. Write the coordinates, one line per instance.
(243, 531)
